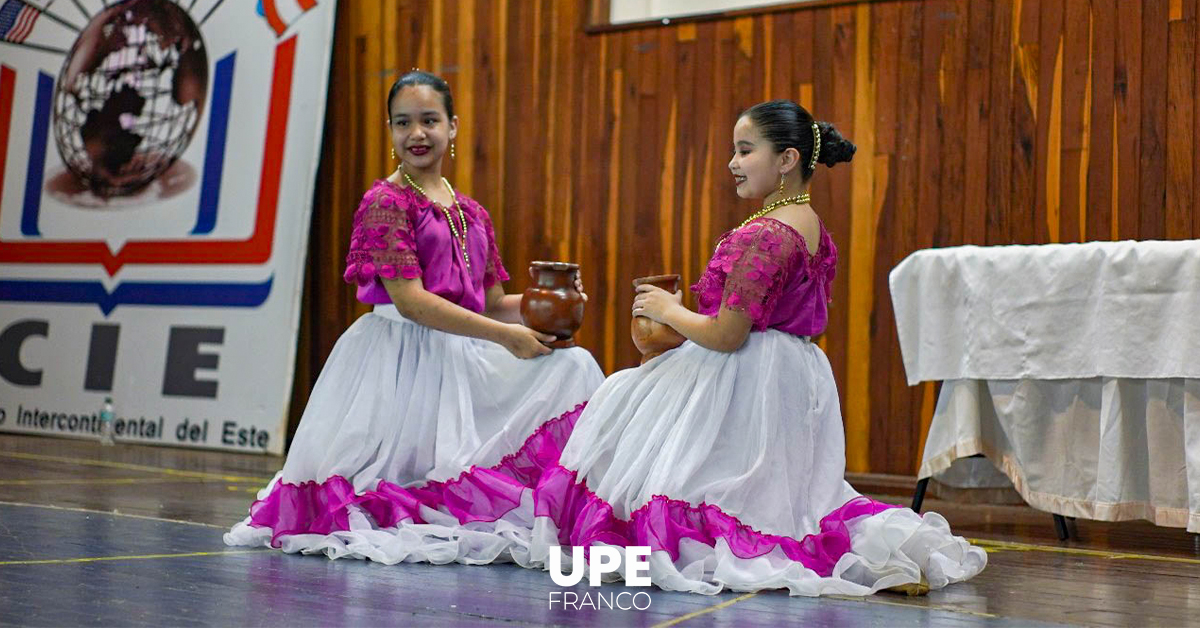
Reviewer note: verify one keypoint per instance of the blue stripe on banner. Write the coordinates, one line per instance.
(138, 293)
(214, 152)
(37, 155)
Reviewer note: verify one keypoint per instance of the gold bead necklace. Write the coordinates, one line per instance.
(462, 238)
(768, 208)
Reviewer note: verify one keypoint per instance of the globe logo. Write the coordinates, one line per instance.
(129, 95)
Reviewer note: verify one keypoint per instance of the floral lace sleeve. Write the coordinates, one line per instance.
(748, 271)
(382, 243)
(495, 272)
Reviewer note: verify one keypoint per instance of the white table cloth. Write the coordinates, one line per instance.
(1074, 368)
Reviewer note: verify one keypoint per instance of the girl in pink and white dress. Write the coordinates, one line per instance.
(726, 454)
(438, 409)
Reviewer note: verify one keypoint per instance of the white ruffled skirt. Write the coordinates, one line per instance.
(403, 407)
(730, 466)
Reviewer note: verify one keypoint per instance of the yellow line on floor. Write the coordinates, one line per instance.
(63, 561)
(92, 481)
(134, 467)
(1011, 546)
(710, 609)
(115, 514)
(928, 607)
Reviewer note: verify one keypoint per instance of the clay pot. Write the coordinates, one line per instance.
(651, 337)
(552, 305)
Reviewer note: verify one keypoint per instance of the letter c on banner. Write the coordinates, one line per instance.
(11, 340)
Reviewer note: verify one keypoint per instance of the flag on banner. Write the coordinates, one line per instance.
(281, 13)
(16, 20)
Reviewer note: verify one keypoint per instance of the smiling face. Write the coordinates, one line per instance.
(755, 164)
(420, 128)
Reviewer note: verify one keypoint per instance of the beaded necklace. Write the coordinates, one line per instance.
(461, 237)
(798, 200)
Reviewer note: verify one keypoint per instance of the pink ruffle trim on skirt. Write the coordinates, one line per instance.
(477, 494)
(584, 519)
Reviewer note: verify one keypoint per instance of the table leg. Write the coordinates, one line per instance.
(1060, 526)
(919, 495)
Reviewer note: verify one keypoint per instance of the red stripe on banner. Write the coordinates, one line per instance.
(272, 168)
(273, 18)
(8, 83)
(255, 250)
(281, 100)
(307, 4)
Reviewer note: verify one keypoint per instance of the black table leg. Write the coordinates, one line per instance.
(919, 495)
(1060, 526)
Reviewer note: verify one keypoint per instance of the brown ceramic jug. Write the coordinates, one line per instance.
(651, 337)
(552, 305)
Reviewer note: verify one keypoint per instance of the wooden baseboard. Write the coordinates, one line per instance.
(904, 486)
(882, 483)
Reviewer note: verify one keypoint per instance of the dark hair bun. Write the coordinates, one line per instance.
(785, 124)
(835, 149)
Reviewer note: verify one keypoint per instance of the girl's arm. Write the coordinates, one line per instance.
(423, 307)
(726, 332)
(506, 308)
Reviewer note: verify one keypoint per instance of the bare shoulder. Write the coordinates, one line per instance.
(805, 221)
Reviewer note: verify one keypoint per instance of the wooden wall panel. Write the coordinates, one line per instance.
(981, 122)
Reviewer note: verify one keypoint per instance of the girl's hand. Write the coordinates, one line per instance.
(655, 303)
(579, 287)
(525, 343)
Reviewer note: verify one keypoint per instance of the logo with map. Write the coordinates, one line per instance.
(117, 120)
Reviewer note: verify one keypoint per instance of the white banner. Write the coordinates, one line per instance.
(158, 163)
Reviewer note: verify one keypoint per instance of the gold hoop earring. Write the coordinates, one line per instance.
(451, 150)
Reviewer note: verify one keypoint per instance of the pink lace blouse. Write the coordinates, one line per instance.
(764, 270)
(400, 233)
